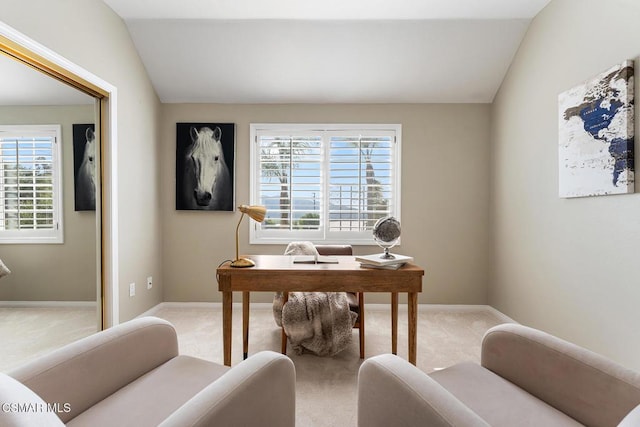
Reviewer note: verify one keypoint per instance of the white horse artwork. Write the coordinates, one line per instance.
(207, 181)
(86, 176)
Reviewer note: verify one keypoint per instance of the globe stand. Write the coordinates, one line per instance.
(387, 255)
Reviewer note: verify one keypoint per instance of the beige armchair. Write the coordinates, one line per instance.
(526, 378)
(132, 375)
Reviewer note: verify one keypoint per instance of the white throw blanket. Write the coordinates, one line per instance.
(319, 322)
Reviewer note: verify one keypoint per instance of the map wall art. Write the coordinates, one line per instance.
(597, 135)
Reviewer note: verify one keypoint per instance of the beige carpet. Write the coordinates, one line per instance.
(28, 332)
(326, 386)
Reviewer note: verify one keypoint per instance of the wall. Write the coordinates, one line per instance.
(90, 34)
(54, 272)
(445, 157)
(568, 266)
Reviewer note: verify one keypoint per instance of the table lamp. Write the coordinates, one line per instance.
(256, 213)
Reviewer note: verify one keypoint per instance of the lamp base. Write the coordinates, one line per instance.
(242, 263)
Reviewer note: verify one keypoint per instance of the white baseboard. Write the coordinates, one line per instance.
(374, 307)
(152, 311)
(47, 304)
(501, 315)
(169, 304)
(467, 308)
(461, 308)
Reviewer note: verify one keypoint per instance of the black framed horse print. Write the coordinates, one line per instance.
(84, 166)
(205, 160)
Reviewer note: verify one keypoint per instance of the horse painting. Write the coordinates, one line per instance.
(85, 185)
(206, 179)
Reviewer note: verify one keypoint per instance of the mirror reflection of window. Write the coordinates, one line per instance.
(30, 184)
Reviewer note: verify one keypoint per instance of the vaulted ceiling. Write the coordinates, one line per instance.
(330, 51)
(347, 51)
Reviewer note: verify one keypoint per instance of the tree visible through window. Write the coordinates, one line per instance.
(30, 202)
(324, 182)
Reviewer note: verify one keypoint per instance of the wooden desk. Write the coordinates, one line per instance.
(278, 273)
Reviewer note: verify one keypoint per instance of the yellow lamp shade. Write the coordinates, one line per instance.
(257, 213)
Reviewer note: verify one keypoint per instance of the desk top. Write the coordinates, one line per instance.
(279, 273)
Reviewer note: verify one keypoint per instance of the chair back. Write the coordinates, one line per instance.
(334, 249)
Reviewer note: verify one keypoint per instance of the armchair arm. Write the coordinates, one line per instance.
(84, 372)
(264, 382)
(391, 391)
(582, 384)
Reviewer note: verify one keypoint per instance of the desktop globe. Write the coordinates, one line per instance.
(386, 233)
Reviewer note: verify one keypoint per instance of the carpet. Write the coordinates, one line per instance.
(29, 332)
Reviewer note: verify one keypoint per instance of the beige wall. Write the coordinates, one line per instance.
(54, 272)
(90, 34)
(444, 196)
(569, 266)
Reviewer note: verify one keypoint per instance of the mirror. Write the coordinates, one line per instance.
(53, 294)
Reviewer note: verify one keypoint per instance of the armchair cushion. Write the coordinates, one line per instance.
(496, 400)
(154, 396)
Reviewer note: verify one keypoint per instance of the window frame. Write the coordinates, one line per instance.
(40, 236)
(322, 235)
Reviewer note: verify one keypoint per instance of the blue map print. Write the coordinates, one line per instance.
(595, 118)
(596, 144)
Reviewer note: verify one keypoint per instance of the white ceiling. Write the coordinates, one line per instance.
(327, 9)
(344, 51)
(22, 85)
(304, 51)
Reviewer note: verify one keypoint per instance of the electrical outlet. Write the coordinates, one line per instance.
(149, 282)
(132, 289)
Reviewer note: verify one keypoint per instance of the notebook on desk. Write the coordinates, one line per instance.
(314, 259)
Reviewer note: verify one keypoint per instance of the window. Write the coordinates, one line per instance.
(30, 184)
(324, 183)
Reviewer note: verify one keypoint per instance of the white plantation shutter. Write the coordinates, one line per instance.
(326, 183)
(361, 180)
(290, 183)
(30, 199)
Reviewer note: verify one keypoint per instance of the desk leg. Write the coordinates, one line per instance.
(413, 326)
(394, 322)
(227, 299)
(246, 299)
(285, 298)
